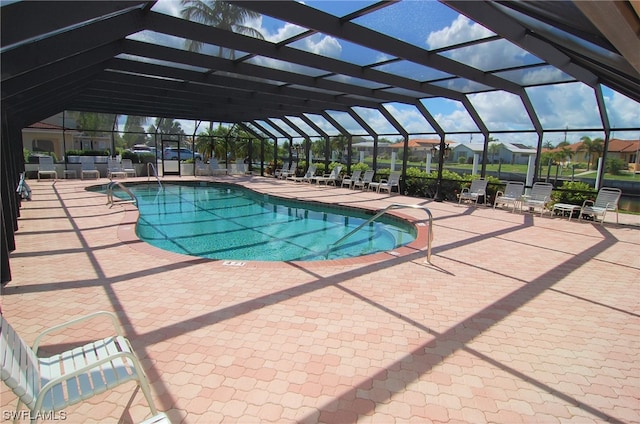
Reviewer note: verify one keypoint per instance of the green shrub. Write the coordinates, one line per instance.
(573, 193)
(614, 166)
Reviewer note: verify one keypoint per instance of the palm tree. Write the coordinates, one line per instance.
(591, 147)
(219, 14)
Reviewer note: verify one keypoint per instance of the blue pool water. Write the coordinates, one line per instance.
(228, 222)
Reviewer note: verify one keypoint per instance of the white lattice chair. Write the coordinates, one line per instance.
(48, 384)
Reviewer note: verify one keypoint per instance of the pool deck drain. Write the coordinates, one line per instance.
(521, 318)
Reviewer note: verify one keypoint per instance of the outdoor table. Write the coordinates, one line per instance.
(565, 207)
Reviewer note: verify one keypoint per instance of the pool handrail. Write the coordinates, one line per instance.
(155, 173)
(382, 212)
(121, 186)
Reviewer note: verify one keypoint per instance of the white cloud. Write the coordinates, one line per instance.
(623, 112)
(501, 111)
(461, 30)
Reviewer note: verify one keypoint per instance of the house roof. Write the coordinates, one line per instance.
(418, 143)
(514, 148)
(615, 145)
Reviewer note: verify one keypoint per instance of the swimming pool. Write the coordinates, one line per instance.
(222, 221)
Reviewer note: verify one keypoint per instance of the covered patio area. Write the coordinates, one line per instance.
(519, 319)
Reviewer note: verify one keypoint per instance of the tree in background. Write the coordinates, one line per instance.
(94, 123)
(222, 15)
(134, 130)
(592, 147)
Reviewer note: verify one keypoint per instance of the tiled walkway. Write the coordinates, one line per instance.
(519, 319)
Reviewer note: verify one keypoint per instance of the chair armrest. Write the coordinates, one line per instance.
(499, 193)
(588, 203)
(135, 363)
(464, 190)
(111, 315)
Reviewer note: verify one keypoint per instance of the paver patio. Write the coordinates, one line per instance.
(519, 318)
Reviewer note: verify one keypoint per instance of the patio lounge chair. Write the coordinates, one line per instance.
(388, 184)
(114, 169)
(348, 181)
(333, 176)
(87, 167)
(47, 167)
(214, 167)
(511, 194)
(285, 173)
(607, 200)
(539, 196)
(48, 384)
(202, 168)
(128, 168)
(307, 177)
(364, 182)
(478, 189)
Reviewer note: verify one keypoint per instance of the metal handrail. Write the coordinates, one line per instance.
(110, 187)
(382, 212)
(155, 173)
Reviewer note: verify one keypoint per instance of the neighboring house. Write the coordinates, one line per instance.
(419, 147)
(625, 150)
(51, 138)
(47, 138)
(509, 153)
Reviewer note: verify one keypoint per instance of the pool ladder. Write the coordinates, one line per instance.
(155, 173)
(382, 212)
(110, 198)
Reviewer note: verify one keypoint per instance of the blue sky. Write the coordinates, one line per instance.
(430, 25)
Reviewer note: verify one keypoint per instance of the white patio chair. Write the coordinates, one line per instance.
(364, 182)
(539, 196)
(333, 176)
(606, 200)
(128, 168)
(88, 167)
(285, 173)
(202, 168)
(511, 194)
(48, 384)
(307, 177)
(47, 167)
(388, 184)
(114, 169)
(478, 189)
(215, 168)
(348, 181)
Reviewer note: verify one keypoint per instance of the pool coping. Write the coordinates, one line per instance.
(126, 232)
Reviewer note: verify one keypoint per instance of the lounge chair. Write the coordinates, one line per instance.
(202, 168)
(333, 176)
(606, 200)
(214, 167)
(478, 189)
(285, 173)
(87, 167)
(388, 184)
(114, 169)
(128, 168)
(47, 167)
(348, 181)
(307, 177)
(48, 384)
(539, 196)
(364, 182)
(511, 195)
